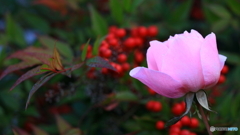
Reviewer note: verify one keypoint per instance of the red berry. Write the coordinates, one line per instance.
(184, 132)
(106, 53)
(120, 33)
(125, 66)
(157, 106)
(173, 134)
(194, 123)
(185, 121)
(110, 36)
(138, 57)
(129, 43)
(139, 41)
(177, 109)
(134, 32)
(174, 130)
(178, 124)
(113, 42)
(224, 69)
(142, 31)
(159, 125)
(104, 71)
(183, 104)
(222, 79)
(122, 58)
(192, 133)
(152, 31)
(150, 105)
(151, 92)
(112, 29)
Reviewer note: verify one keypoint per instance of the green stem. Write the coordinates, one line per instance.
(204, 119)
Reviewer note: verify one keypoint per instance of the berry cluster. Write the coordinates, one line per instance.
(121, 43)
(176, 128)
(154, 106)
(222, 77)
(178, 108)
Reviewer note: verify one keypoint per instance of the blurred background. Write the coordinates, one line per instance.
(99, 101)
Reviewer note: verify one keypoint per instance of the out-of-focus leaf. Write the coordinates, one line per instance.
(74, 131)
(14, 32)
(232, 58)
(96, 45)
(33, 72)
(63, 48)
(18, 131)
(18, 66)
(220, 11)
(99, 25)
(43, 57)
(84, 51)
(37, 85)
(202, 100)
(35, 21)
(76, 66)
(188, 100)
(126, 96)
(116, 9)
(100, 63)
(127, 5)
(220, 25)
(234, 6)
(63, 126)
(32, 111)
(38, 131)
(181, 12)
(135, 4)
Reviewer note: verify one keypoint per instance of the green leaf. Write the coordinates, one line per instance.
(126, 96)
(220, 11)
(116, 10)
(220, 25)
(181, 13)
(37, 85)
(100, 63)
(188, 100)
(99, 25)
(202, 100)
(96, 45)
(74, 131)
(232, 58)
(234, 6)
(38, 131)
(14, 32)
(62, 47)
(35, 21)
(84, 51)
(127, 5)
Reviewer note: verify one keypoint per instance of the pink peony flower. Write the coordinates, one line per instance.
(184, 63)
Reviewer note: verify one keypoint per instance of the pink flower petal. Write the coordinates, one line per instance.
(210, 61)
(155, 54)
(161, 83)
(195, 34)
(182, 62)
(222, 60)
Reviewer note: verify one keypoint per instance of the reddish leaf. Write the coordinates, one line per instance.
(99, 62)
(18, 66)
(76, 66)
(63, 126)
(43, 57)
(38, 131)
(33, 72)
(18, 131)
(37, 85)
